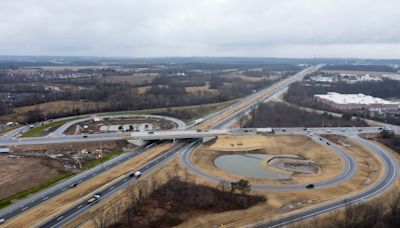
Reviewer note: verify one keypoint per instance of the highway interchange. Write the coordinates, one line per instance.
(184, 149)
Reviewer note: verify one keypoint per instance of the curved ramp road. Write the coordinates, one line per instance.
(347, 174)
(59, 137)
(388, 180)
(273, 91)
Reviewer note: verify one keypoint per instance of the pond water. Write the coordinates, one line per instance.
(248, 165)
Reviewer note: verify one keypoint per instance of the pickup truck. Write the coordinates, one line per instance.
(94, 198)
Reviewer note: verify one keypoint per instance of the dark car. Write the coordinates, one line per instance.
(310, 186)
(85, 136)
(283, 130)
(328, 143)
(73, 185)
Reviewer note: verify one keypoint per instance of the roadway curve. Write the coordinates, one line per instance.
(388, 180)
(347, 174)
(58, 135)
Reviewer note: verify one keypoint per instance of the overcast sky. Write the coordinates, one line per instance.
(145, 28)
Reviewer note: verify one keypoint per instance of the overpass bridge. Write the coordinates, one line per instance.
(140, 138)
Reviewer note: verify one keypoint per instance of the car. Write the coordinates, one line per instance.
(283, 129)
(2, 221)
(199, 130)
(135, 174)
(381, 128)
(85, 136)
(31, 126)
(320, 139)
(305, 129)
(310, 186)
(150, 132)
(328, 143)
(359, 129)
(73, 185)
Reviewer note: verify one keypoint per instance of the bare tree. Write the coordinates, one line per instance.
(116, 210)
(99, 218)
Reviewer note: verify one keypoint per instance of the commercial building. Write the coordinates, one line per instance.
(356, 101)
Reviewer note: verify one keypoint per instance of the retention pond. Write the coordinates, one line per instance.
(248, 165)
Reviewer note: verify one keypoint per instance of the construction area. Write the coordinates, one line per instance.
(99, 125)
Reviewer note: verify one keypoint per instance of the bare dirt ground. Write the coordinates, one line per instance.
(273, 208)
(330, 162)
(23, 173)
(74, 146)
(94, 126)
(50, 208)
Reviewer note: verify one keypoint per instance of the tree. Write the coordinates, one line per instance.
(34, 116)
(100, 218)
(121, 128)
(242, 186)
(387, 134)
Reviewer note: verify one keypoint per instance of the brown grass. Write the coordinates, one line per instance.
(330, 162)
(52, 207)
(134, 79)
(25, 173)
(257, 213)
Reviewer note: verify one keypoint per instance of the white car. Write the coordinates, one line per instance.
(136, 174)
(2, 221)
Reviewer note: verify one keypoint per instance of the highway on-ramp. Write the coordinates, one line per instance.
(65, 217)
(390, 177)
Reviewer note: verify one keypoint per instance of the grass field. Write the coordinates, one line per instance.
(38, 131)
(8, 201)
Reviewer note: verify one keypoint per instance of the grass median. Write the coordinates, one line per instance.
(39, 131)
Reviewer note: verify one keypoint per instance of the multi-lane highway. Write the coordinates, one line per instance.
(235, 111)
(80, 208)
(271, 91)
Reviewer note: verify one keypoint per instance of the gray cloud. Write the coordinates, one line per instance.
(281, 28)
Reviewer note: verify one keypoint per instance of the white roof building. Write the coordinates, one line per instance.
(356, 101)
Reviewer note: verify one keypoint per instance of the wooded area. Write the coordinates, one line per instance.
(283, 115)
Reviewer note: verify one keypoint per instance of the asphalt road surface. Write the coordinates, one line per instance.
(64, 218)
